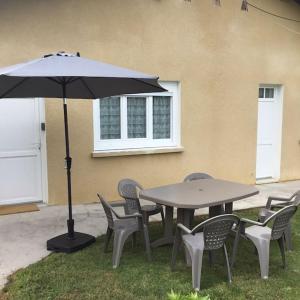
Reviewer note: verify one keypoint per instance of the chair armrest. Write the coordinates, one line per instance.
(118, 203)
(279, 205)
(244, 220)
(125, 216)
(129, 216)
(183, 228)
(283, 199)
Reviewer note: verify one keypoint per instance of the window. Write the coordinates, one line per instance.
(138, 121)
(266, 92)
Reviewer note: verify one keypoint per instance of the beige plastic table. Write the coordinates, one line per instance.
(188, 196)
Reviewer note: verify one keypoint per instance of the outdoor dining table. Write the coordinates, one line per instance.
(188, 196)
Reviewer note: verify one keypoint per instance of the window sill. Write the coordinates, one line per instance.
(136, 151)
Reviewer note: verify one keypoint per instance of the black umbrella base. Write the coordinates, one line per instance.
(63, 243)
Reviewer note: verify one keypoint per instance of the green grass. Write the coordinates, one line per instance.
(88, 274)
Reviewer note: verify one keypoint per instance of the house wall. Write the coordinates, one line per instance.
(219, 55)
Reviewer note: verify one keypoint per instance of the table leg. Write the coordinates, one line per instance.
(168, 237)
(215, 210)
(228, 208)
(184, 216)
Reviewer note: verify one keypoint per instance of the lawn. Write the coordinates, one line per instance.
(88, 274)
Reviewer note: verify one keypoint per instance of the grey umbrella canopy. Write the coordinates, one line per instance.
(83, 78)
(64, 75)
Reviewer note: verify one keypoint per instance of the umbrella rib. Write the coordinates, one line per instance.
(72, 80)
(13, 87)
(54, 80)
(87, 87)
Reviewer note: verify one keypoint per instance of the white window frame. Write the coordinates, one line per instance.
(124, 143)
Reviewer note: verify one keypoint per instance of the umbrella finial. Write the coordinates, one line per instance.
(62, 53)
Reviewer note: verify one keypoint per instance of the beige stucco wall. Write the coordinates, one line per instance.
(220, 55)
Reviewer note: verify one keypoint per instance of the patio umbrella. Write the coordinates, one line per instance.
(64, 75)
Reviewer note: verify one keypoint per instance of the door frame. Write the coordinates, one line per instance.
(278, 93)
(44, 165)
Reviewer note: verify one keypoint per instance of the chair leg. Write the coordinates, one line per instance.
(176, 247)
(147, 241)
(188, 258)
(282, 250)
(109, 232)
(227, 264)
(145, 218)
(263, 249)
(120, 237)
(288, 237)
(162, 217)
(196, 268)
(235, 247)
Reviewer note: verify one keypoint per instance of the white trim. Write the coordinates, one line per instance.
(44, 165)
(22, 200)
(123, 117)
(266, 180)
(141, 143)
(279, 95)
(143, 151)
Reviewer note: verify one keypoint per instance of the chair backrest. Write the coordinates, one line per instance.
(216, 230)
(197, 176)
(127, 189)
(281, 220)
(108, 212)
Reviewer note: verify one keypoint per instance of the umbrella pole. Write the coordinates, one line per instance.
(70, 241)
(68, 165)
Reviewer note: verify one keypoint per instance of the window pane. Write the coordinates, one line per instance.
(136, 117)
(269, 93)
(161, 117)
(261, 93)
(110, 126)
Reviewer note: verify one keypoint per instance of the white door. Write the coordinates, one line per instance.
(20, 151)
(269, 133)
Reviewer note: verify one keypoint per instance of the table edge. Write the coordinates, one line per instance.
(166, 203)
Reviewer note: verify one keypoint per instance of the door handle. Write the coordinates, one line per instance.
(37, 146)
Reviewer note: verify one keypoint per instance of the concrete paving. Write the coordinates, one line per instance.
(23, 236)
